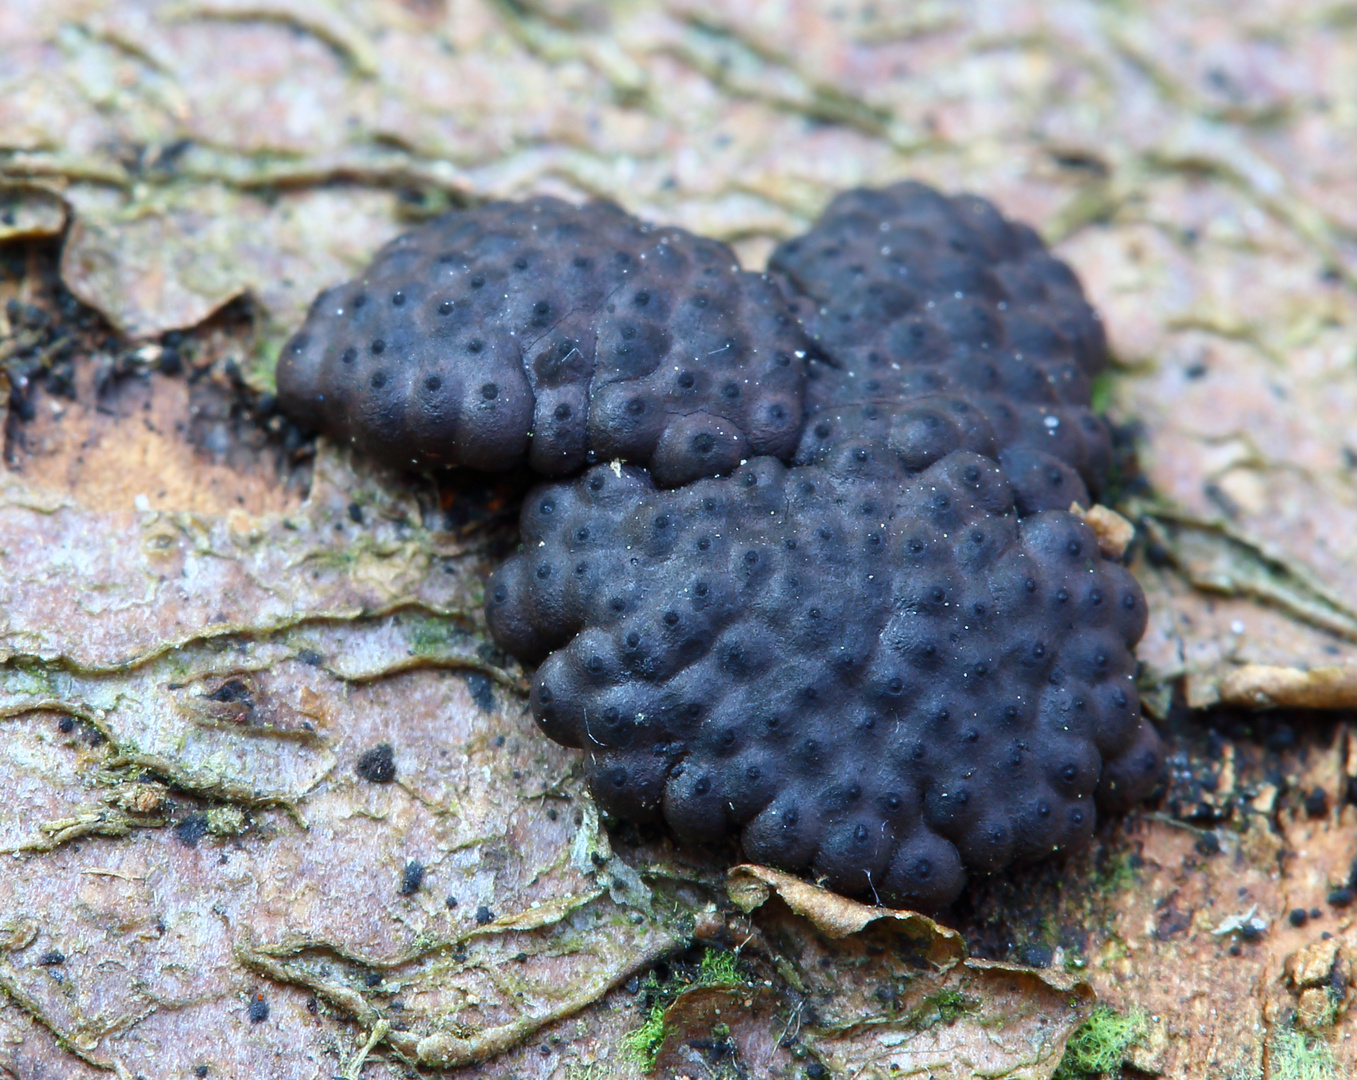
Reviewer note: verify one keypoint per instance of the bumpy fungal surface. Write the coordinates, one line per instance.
(876, 676)
(826, 593)
(553, 335)
(951, 328)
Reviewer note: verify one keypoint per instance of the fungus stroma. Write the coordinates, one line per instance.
(556, 336)
(833, 601)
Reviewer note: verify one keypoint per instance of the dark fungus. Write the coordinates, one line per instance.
(412, 878)
(826, 592)
(192, 829)
(377, 765)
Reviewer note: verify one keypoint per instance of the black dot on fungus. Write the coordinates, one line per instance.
(66, 725)
(52, 958)
(484, 915)
(259, 1009)
(377, 765)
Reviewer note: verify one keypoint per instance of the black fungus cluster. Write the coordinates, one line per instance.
(826, 592)
(553, 335)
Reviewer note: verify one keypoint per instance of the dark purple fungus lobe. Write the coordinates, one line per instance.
(826, 593)
(552, 335)
(948, 327)
(876, 676)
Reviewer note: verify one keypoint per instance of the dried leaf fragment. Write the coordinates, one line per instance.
(836, 916)
(1113, 531)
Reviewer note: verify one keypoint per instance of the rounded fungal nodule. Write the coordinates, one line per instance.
(833, 600)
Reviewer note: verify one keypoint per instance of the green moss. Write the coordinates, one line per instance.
(28, 678)
(718, 969)
(642, 1045)
(431, 635)
(1116, 873)
(1099, 1044)
(1100, 392)
(944, 1007)
(226, 821)
(259, 369)
(1296, 1056)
